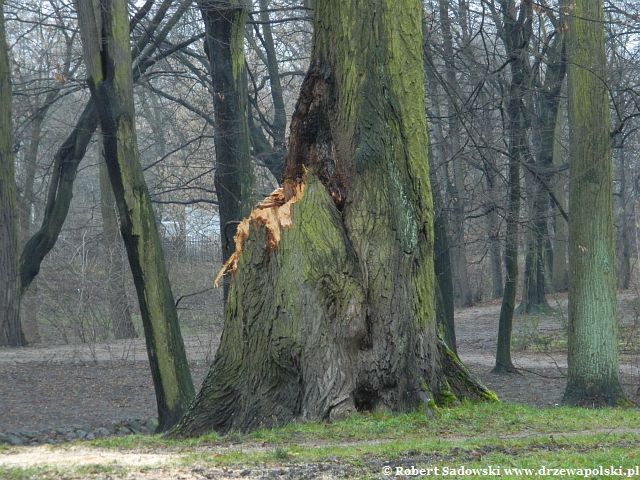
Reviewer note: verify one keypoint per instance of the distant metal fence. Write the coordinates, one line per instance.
(191, 249)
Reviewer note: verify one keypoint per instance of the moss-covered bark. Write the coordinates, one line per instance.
(339, 314)
(593, 377)
(105, 34)
(10, 328)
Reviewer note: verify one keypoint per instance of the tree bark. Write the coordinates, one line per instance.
(331, 309)
(105, 35)
(225, 25)
(10, 327)
(593, 377)
(117, 301)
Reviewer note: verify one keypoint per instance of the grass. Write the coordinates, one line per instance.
(64, 472)
(506, 435)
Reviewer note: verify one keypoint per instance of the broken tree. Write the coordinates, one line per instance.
(331, 308)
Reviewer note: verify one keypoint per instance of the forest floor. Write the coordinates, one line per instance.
(92, 385)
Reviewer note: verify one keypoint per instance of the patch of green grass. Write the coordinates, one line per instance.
(466, 420)
(56, 473)
(578, 451)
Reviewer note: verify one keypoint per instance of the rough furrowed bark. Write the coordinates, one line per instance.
(10, 328)
(593, 373)
(340, 315)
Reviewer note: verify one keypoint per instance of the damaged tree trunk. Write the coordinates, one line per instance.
(331, 308)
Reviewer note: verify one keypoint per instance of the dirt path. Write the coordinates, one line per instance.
(92, 385)
(169, 463)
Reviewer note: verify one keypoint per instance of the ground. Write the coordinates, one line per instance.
(99, 385)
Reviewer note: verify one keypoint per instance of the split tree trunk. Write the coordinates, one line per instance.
(10, 328)
(105, 42)
(593, 377)
(331, 308)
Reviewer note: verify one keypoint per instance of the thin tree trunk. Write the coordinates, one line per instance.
(457, 189)
(279, 123)
(445, 313)
(493, 228)
(533, 294)
(225, 25)
(331, 308)
(29, 304)
(560, 272)
(593, 377)
(108, 59)
(516, 35)
(10, 328)
(118, 303)
(626, 219)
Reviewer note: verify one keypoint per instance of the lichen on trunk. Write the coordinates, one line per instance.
(340, 315)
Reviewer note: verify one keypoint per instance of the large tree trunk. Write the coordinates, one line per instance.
(593, 377)
(10, 328)
(331, 309)
(225, 26)
(108, 59)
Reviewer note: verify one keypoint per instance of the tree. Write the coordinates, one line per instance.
(118, 304)
(70, 153)
(462, 289)
(547, 101)
(516, 30)
(105, 41)
(10, 328)
(225, 26)
(331, 308)
(593, 377)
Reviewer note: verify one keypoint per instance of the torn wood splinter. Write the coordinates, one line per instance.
(274, 213)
